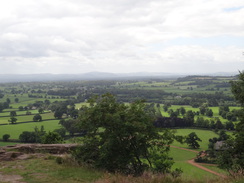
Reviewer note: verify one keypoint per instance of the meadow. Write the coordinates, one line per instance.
(181, 157)
(194, 109)
(182, 86)
(7, 143)
(25, 122)
(14, 130)
(204, 135)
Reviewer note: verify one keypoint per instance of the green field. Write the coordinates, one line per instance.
(181, 157)
(79, 105)
(204, 135)
(7, 143)
(16, 129)
(187, 108)
(26, 118)
(216, 169)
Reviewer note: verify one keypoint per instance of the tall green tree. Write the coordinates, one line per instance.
(52, 138)
(8, 101)
(233, 155)
(16, 100)
(189, 117)
(41, 110)
(209, 113)
(237, 88)
(13, 120)
(37, 118)
(192, 140)
(6, 137)
(70, 125)
(1, 107)
(13, 113)
(182, 111)
(122, 138)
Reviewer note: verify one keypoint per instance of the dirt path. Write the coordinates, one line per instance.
(192, 162)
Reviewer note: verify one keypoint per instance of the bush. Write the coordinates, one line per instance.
(37, 118)
(27, 137)
(59, 160)
(6, 137)
(60, 131)
(52, 138)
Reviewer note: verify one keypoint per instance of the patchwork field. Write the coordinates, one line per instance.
(187, 108)
(16, 129)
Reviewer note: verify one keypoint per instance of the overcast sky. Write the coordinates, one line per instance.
(78, 36)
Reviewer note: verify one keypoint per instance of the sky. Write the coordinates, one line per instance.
(121, 36)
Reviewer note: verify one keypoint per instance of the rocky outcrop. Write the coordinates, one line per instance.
(19, 151)
(9, 156)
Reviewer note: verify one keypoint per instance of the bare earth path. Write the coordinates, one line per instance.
(192, 162)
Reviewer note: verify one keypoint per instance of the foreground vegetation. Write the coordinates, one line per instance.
(48, 170)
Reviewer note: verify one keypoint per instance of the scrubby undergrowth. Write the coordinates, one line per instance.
(46, 168)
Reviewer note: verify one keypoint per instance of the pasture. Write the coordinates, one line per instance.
(25, 122)
(181, 156)
(204, 135)
(187, 108)
(7, 143)
(14, 130)
(189, 171)
(26, 118)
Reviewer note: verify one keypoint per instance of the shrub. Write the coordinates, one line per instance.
(6, 137)
(37, 118)
(27, 137)
(52, 138)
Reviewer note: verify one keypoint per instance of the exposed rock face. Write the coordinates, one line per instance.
(9, 156)
(19, 151)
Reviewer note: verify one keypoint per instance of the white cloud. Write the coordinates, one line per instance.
(72, 36)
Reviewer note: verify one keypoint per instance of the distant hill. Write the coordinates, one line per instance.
(4, 78)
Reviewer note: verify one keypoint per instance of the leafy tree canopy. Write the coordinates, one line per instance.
(52, 138)
(235, 147)
(192, 140)
(6, 137)
(122, 138)
(37, 117)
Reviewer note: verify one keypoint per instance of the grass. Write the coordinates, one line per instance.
(49, 171)
(16, 129)
(26, 118)
(187, 108)
(79, 105)
(24, 100)
(7, 112)
(216, 169)
(189, 171)
(181, 157)
(204, 135)
(7, 143)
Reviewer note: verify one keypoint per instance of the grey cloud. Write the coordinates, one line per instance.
(112, 35)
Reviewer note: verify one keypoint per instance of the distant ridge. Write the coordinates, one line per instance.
(4, 78)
